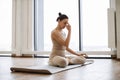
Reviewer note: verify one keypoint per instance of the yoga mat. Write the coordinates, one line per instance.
(47, 69)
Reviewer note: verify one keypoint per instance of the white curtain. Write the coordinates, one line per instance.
(22, 26)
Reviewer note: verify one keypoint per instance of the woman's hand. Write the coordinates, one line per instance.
(82, 54)
(68, 27)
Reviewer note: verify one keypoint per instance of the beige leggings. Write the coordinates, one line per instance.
(63, 62)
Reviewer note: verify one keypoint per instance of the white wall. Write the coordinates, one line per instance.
(115, 4)
(118, 27)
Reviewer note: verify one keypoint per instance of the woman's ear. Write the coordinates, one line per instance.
(58, 20)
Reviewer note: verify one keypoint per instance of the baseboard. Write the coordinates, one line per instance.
(89, 56)
(23, 55)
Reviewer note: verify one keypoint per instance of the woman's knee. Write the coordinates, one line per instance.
(60, 61)
(78, 60)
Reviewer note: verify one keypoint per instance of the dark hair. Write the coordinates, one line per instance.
(61, 17)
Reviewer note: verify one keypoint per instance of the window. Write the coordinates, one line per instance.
(93, 20)
(5, 25)
(50, 9)
(68, 7)
(94, 25)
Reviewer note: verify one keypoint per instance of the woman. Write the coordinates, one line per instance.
(61, 43)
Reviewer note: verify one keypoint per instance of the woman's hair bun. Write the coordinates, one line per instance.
(60, 13)
(62, 16)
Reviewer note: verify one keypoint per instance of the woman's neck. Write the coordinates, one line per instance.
(58, 28)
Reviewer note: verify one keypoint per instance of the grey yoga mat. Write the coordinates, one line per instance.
(47, 69)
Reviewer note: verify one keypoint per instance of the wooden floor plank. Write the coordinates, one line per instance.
(101, 69)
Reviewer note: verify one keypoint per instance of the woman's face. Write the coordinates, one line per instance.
(63, 23)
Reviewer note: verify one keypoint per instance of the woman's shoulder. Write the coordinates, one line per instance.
(54, 31)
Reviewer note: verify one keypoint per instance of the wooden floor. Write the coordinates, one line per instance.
(101, 69)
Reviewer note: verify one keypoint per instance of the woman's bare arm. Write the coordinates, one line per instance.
(59, 38)
(68, 36)
(75, 53)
